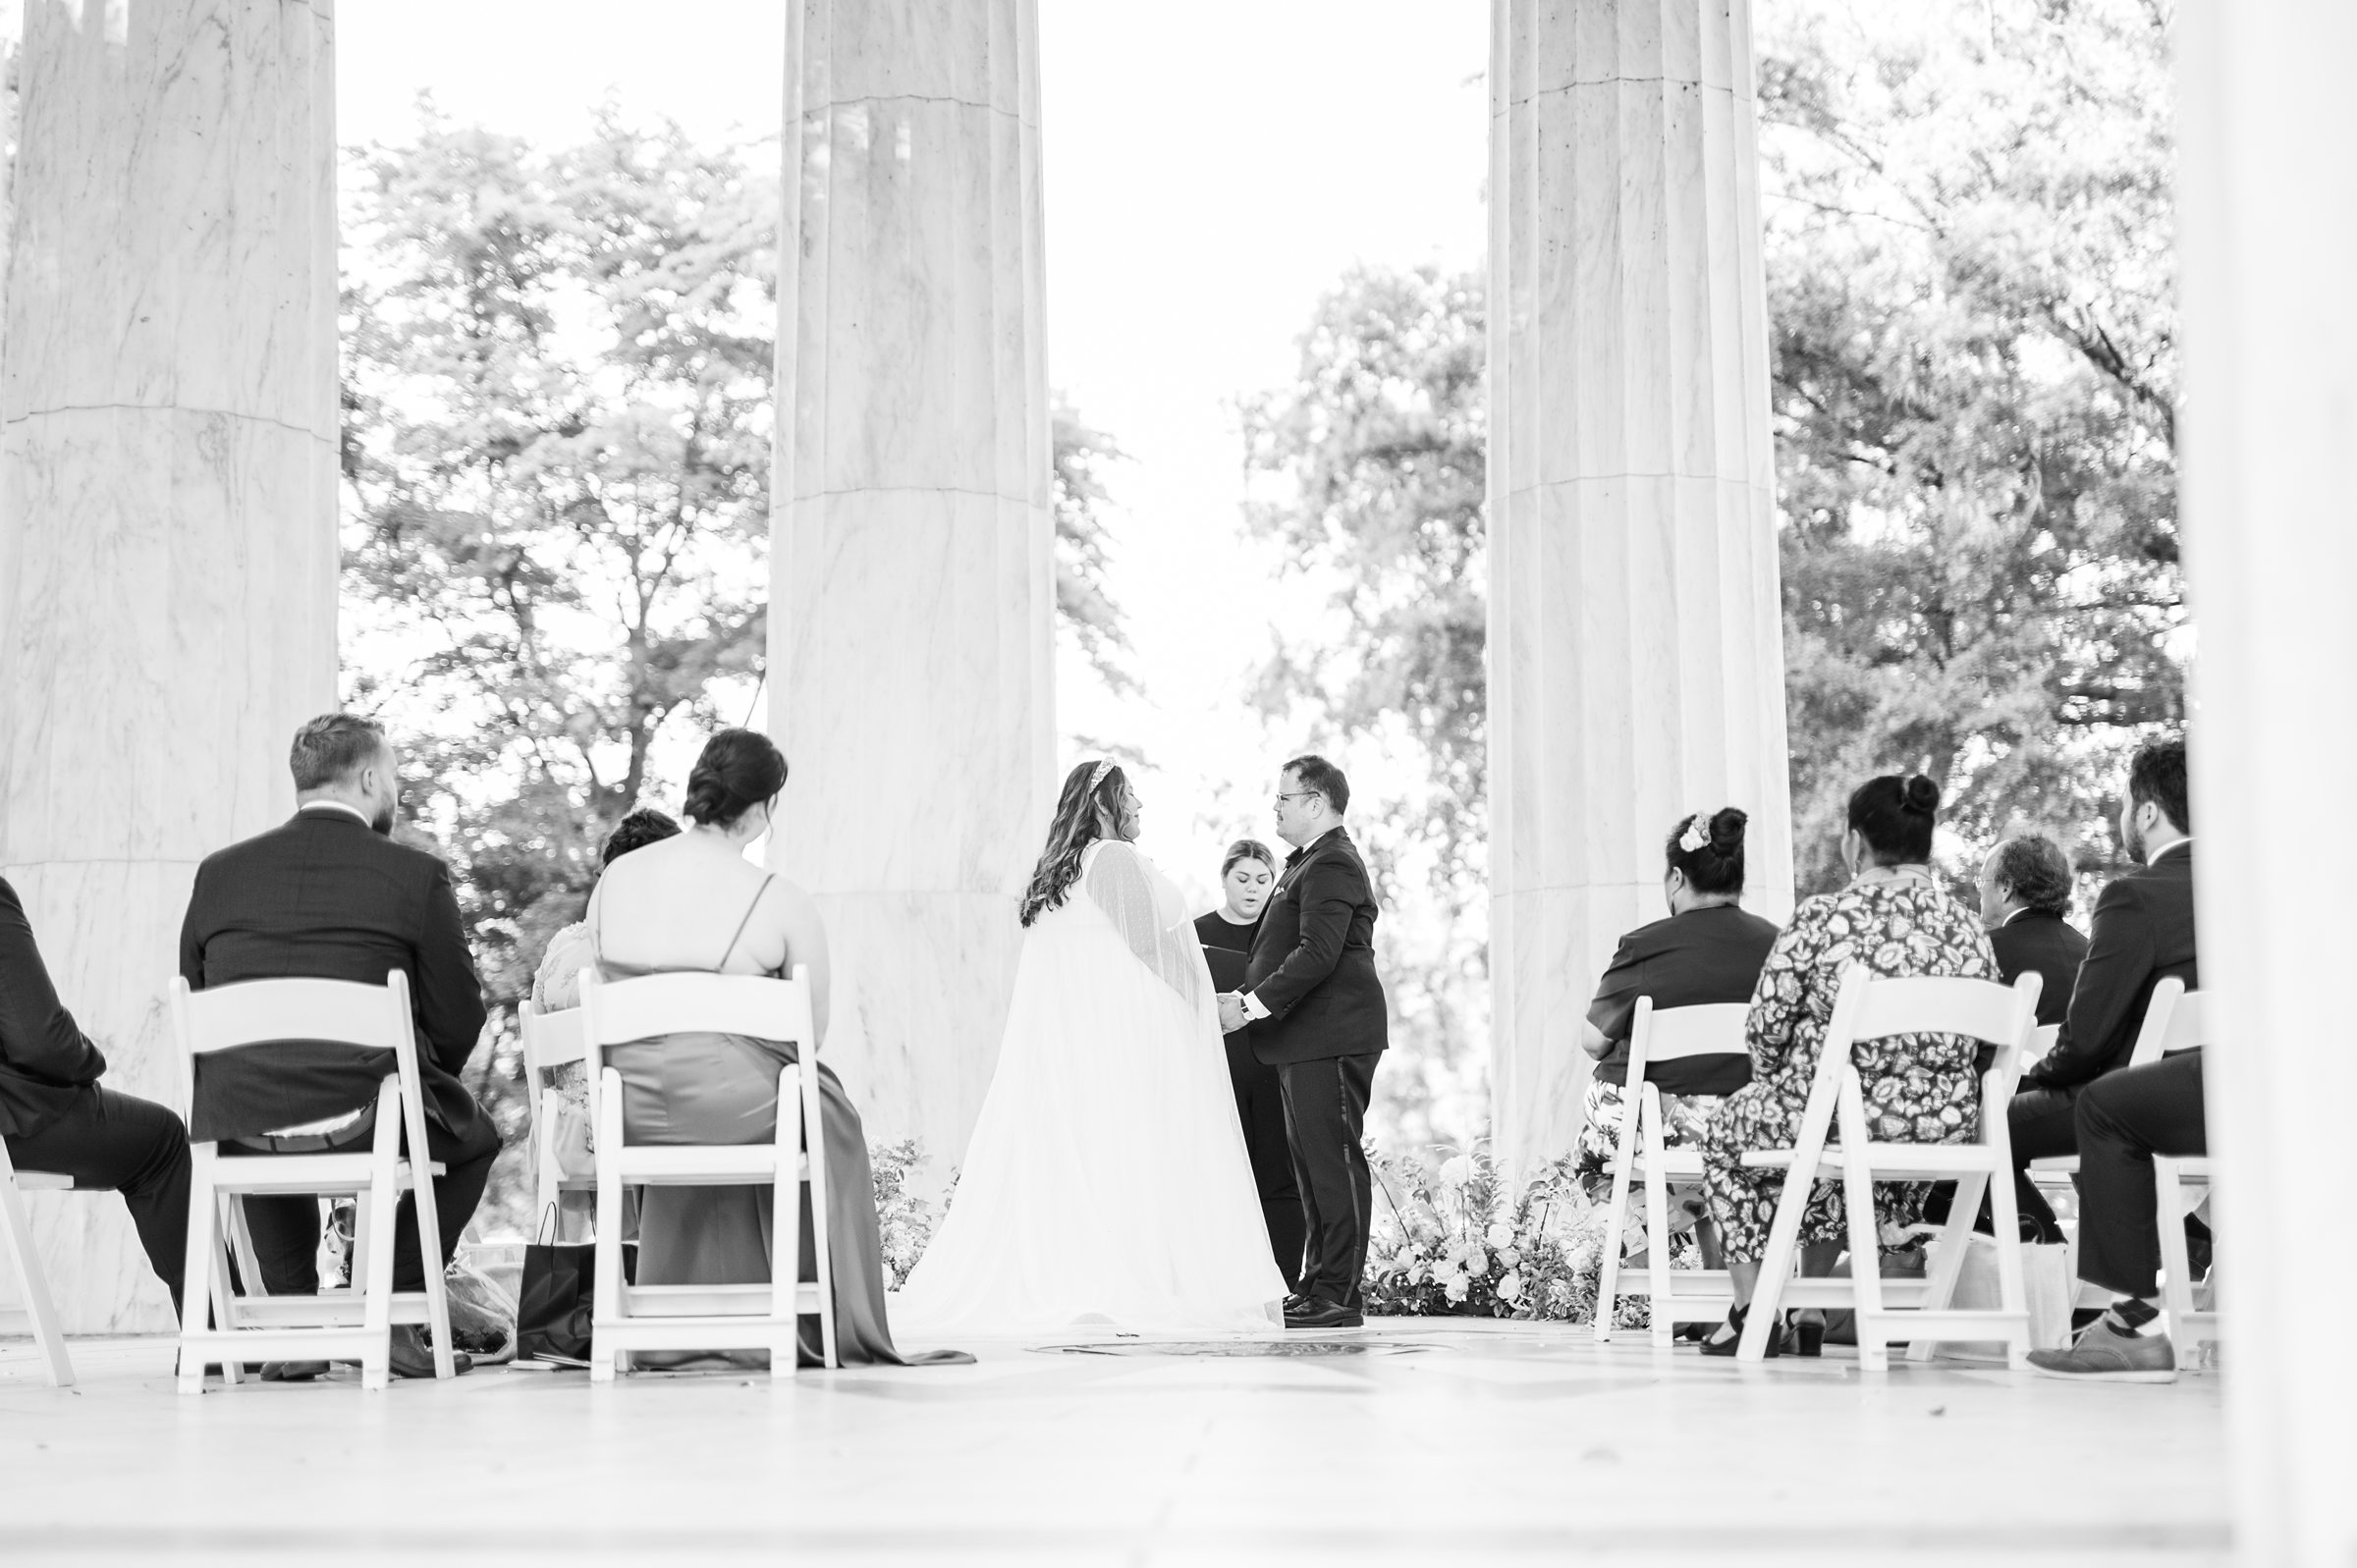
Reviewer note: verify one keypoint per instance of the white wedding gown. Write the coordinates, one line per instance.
(1107, 1181)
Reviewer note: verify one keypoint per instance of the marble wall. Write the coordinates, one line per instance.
(910, 671)
(2267, 228)
(1636, 662)
(167, 504)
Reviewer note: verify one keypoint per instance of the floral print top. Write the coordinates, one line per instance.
(1918, 1087)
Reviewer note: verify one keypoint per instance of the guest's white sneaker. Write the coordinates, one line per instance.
(2103, 1354)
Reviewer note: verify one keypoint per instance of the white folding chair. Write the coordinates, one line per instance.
(1680, 1295)
(48, 1337)
(1871, 1008)
(353, 1324)
(627, 1318)
(550, 1040)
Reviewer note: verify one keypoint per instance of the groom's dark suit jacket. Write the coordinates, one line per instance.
(1313, 961)
(325, 896)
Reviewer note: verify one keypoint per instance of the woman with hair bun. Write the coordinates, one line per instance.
(695, 903)
(1895, 919)
(1247, 876)
(1709, 950)
(1106, 1183)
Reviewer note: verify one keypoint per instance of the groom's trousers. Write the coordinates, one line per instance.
(1326, 1115)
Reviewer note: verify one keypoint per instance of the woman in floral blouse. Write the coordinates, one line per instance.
(1896, 920)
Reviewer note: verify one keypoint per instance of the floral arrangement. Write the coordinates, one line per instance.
(1449, 1241)
(905, 1219)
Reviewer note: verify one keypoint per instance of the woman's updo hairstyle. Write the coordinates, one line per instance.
(1897, 813)
(739, 770)
(1244, 850)
(1708, 846)
(637, 830)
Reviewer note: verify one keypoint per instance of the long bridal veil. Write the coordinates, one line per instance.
(1107, 1179)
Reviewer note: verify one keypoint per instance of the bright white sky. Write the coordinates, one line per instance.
(1211, 169)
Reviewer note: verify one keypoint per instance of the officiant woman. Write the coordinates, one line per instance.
(1247, 873)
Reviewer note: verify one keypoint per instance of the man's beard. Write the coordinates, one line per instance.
(2132, 840)
(382, 822)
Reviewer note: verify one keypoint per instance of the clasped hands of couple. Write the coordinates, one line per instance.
(1232, 1015)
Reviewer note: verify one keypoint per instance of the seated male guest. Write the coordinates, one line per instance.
(2142, 933)
(2122, 1118)
(330, 895)
(57, 1118)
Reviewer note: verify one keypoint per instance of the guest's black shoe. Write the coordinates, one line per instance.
(1295, 1301)
(291, 1371)
(1691, 1333)
(411, 1359)
(1734, 1337)
(1808, 1332)
(1316, 1314)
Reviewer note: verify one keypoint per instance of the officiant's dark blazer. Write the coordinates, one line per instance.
(1313, 961)
(326, 897)
(2142, 933)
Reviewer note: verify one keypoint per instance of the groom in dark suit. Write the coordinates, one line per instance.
(1317, 1014)
(330, 895)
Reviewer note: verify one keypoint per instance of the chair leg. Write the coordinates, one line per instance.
(1865, 1261)
(785, 1231)
(1607, 1286)
(606, 1290)
(815, 1142)
(47, 1332)
(382, 1196)
(1657, 1224)
(201, 1277)
(2176, 1290)
(2013, 1284)
(437, 1288)
(1955, 1238)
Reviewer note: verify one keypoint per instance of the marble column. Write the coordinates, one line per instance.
(910, 675)
(1636, 663)
(167, 503)
(2267, 228)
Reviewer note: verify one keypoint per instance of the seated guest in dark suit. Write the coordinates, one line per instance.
(2142, 933)
(57, 1118)
(2025, 897)
(1247, 876)
(330, 895)
(2122, 1118)
(1708, 950)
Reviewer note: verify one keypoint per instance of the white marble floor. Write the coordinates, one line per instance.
(1442, 1443)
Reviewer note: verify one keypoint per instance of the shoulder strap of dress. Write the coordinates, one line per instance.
(743, 923)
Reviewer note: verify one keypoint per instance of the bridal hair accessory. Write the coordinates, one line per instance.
(1098, 777)
(1698, 832)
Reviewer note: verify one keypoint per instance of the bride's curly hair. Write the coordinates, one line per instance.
(1070, 834)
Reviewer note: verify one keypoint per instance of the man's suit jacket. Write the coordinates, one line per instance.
(325, 896)
(1313, 960)
(2041, 941)
(2141, 935)
(47, 1062)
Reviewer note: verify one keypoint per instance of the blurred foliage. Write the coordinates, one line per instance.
(557, 418)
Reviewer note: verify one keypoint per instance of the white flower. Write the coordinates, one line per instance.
(1511, 1288)
(1457, 1172)
(1457, 1287)
(1500, 1236)
(1477, 1262)
(1418, 1273)
(1584, 1257)
(1511, 1257)
(1560, 1292)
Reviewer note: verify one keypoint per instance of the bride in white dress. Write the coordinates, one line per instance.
(1107, 1181)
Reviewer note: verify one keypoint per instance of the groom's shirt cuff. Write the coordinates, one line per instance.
(1252, 1008)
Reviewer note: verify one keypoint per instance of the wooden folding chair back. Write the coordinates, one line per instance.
(550, 1040)
(335, 1324)
(1873, 1008)
(2175, 1020)
(1643, 1154)
(628, 1318)
(16, 1233)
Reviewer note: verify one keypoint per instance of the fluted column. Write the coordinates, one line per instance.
(2265, 231)
(910, 672)
(1636, 666)
(167, 501)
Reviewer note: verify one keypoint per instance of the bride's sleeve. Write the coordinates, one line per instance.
(1120, 883)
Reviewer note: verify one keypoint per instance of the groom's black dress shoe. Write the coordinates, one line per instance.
(1316, 1314)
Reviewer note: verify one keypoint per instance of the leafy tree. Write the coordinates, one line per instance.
(1371, 471)
(556, 449)
(1970, 284)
